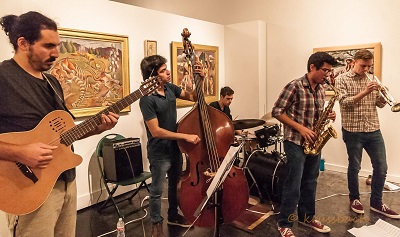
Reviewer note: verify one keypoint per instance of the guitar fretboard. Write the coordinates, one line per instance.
(90, 124)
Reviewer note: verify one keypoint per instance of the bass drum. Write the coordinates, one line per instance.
(268, 170)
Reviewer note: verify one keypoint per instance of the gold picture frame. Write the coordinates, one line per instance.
(344, 55)
(181, 75)
(93, 70)
(150, 47)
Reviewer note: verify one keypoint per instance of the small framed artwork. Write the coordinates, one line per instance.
(92, 69)
(150, 47)
(182, 74)
(345, 56)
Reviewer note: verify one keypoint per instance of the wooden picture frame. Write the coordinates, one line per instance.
(93, 70)
(344, 55)
(182, 77)
(150, 47)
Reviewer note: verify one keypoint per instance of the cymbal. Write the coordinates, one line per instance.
(269, 120)
(267, 116)
(248, 137)
(247, 123)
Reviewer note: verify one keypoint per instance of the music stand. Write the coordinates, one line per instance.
(215, 185)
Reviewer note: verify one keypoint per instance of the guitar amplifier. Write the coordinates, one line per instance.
(122, 159)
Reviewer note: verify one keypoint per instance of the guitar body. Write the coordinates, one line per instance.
(19, 194)
(22, 194)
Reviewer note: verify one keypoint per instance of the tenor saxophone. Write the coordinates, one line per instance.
(323, 135)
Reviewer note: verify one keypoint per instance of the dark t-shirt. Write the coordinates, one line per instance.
(26, 100)
(226, 110)
(164, 109)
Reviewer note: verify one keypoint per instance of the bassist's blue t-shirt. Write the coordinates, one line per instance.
(162, 107)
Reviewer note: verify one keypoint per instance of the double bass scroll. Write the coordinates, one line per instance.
(216, 132)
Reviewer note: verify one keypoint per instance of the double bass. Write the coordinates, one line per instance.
(216, 132)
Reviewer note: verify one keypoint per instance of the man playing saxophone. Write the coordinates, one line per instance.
(359, 97)
(299, 107)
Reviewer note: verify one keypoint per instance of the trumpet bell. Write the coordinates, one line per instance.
(385, 94)
(396, 107)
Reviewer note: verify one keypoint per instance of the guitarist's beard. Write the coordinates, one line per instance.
(37, 63)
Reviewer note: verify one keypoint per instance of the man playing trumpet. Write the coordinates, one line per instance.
(359, 97)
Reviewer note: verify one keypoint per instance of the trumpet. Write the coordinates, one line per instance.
(385, 94)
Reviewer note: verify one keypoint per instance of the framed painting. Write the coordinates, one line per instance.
(345, 54)
(182, 74)
(92, 69)
(150, 47)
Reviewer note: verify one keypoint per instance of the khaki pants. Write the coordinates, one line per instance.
(56, 217)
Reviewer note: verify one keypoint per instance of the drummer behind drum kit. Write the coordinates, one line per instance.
(264, 168)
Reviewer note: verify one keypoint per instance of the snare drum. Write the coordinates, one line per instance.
(250, 142)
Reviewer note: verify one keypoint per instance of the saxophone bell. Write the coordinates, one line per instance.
(385, 94)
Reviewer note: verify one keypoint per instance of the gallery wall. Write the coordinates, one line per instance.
(293, 30)
(139, 25)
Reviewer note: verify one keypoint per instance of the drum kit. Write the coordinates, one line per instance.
(263, 165)
(259, 140)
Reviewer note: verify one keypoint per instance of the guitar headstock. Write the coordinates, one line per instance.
(149, 85)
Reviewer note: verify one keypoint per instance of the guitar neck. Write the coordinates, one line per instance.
(91, 123)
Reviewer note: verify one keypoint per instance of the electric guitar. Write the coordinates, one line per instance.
(24, 189)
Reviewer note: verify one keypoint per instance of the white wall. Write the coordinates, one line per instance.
(138, 24)
(245, 68)
(294, 28)
(294, 31)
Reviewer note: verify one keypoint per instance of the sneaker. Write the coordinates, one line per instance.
(179, 220)
(356, 206)
(285, 232)
(157, 230)
(317, 225)
(385, 210)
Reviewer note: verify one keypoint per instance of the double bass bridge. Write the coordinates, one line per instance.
(210, 174)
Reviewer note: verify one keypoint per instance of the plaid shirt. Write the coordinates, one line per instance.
(361, 116)
(301, 104)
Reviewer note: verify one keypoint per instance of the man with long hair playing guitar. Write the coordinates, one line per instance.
(28, 95)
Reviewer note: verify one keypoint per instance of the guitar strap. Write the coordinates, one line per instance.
(58, 95)
(68, 175)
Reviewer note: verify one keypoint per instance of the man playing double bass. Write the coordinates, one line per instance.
(160, 115)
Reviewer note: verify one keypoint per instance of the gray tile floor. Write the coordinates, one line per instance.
(335, 210)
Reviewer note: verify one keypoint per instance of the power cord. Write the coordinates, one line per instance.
(141, 204)
(131, 221)
(94, 210)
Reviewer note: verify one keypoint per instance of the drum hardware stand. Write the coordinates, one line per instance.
(245, 168)
(246, 157)
(275, 153)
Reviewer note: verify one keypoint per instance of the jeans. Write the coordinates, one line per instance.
(159, 167)
(374, 145)
(300, 186)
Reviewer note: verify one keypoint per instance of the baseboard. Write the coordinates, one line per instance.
(363, 173)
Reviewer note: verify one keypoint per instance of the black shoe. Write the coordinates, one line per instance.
(179, 220)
